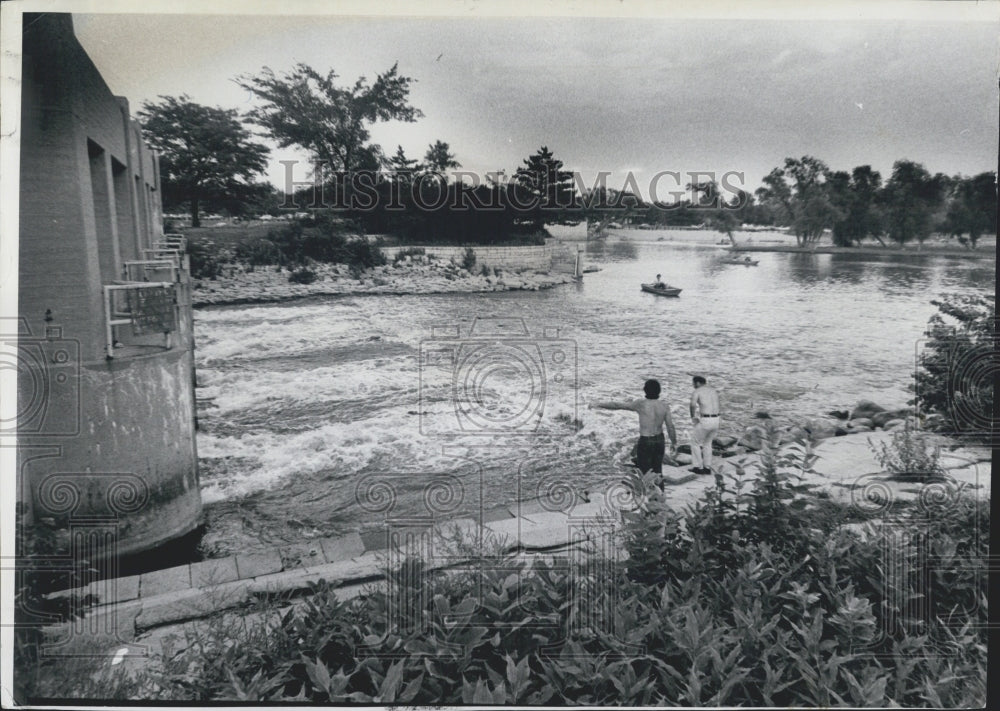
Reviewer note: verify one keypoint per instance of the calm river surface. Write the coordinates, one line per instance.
(318, 396)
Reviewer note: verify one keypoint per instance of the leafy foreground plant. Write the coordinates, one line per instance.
(954, 381)
(909, 457)
(747, 598)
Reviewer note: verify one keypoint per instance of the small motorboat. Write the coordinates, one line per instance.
(662, 291)
(747, 262)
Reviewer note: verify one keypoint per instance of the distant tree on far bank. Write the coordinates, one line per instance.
(439, 159)
(549, 187)
(911, 198)
(206, 155)
(856, 197)
(721, 216)
(800, 192)
(401, 166)
(972, 208)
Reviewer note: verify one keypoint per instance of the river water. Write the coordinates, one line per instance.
(334, 412)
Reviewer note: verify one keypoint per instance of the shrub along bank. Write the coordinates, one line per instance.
(295, 246)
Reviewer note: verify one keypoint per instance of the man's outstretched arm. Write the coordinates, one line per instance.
(610, 405)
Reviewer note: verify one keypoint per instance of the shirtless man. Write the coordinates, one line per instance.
(658, 284)
(705, 423)
(653, 413)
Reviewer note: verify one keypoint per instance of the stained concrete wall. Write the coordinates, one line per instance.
(89, 200)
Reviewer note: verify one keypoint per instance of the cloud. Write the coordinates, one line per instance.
(664, 94)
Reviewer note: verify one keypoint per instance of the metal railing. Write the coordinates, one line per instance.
(139, 269)
(172, 241)
(161, 253)
(149, 307)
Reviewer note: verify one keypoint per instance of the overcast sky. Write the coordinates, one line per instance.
(610, 94)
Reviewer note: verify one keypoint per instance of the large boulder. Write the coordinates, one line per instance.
(855, 426)
(839, 414)
(723, 442)
(861, 422)
(866, 408)
(761, 415)
(934, 421)
(684, 449)
(792, 434)
(880, 419)
(893, 424)
(753, 438)
(820, 429)
(683, 459)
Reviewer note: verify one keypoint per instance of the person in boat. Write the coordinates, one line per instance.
(746, 259)
(705, 424)
(658, 284)
(653, 414)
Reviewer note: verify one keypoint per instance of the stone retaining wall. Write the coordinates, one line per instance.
(540, 258)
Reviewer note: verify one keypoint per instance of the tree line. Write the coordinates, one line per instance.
(809, 197)
(210, 160)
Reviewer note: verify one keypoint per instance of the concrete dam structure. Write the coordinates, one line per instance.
(105, 425)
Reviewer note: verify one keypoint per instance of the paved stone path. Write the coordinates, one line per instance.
(128, 608)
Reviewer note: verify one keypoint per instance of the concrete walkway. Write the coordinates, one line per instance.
(127, 609)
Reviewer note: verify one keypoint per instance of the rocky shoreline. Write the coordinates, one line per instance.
(418, 274)
(865, 416)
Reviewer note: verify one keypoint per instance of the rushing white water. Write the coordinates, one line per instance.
(313, 397)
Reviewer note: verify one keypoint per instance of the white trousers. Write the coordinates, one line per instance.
(701, 441)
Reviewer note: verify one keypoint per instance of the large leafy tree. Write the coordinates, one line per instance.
(911, 198)
(972, 207)
(206, 153)
(309, 110)
(855, 195)
(800, 191)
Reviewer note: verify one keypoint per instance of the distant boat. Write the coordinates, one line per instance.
(745, 262)
(663, 291)
(591, 270)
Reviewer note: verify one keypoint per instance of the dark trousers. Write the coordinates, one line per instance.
(649, 453)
